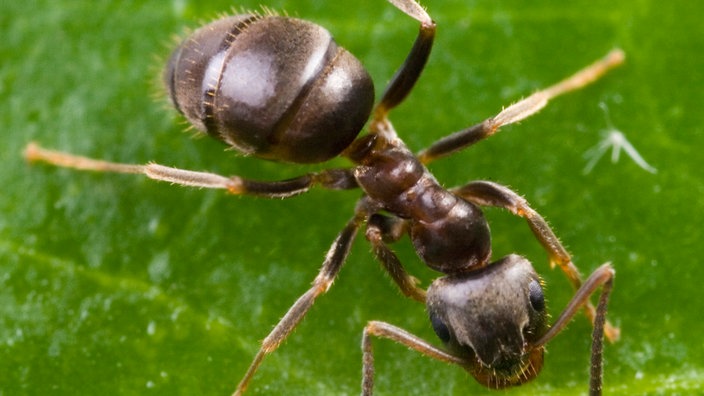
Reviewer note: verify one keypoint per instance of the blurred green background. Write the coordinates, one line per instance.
(113, 284)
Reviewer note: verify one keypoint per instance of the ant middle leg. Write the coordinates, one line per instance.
(335, 258)
(335, 179)
(521, 109)
(486, 193)
(380, 231)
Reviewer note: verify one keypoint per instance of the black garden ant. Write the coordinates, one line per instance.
(280, 88)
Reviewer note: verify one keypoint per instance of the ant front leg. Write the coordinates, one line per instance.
(486, 193)
(336, 179)
(383, 229)
(521, 109)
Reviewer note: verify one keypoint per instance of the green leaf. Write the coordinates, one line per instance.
(114, 284)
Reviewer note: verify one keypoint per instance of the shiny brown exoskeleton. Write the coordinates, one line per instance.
(280, 88)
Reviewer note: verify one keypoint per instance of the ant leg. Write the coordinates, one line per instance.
(602, 277)
(336, 179)
(382, 229)
(486, 193)
(521, 109)
(401, 336)
(334, 260)
(406, 76)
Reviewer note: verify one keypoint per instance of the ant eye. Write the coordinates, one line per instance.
(536, 296)
(440, 328)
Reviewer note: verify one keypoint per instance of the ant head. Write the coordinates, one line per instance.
(492, 317)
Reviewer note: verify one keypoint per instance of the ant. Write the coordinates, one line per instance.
(280, 88)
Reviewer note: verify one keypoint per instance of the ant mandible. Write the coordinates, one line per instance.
(280, 88)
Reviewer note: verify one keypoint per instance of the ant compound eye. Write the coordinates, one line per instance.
(536, 296)
(440, 328)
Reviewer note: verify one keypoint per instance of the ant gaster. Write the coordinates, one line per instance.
(280, 88)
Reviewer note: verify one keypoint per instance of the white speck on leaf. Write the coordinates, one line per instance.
(151, 328)
(616, 140)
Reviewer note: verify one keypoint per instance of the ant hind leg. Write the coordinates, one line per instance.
(335, 179)
(406, 76)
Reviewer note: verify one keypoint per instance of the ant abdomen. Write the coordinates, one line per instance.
(274, 87)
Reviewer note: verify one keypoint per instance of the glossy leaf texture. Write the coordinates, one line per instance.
(114, 284)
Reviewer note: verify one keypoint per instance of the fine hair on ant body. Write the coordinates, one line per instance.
(280, 88)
